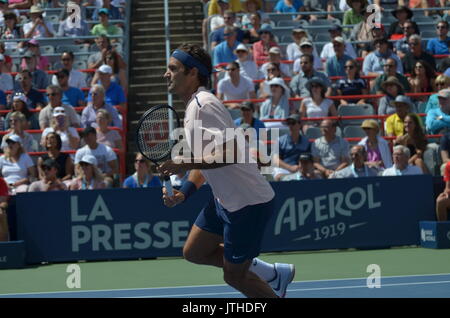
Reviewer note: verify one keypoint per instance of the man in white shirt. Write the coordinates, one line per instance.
(328, 50)
(401, 167)
(241, 193)
(38, 27)
(76, 78)
(275, 57)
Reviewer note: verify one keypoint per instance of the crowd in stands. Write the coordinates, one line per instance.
(306, 69)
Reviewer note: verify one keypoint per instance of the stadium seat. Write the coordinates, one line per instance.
(288, 23)
(423, 18)
(322, 37)
(313, 133)
(80, 65)
(12, 51)
(47, 49)
(73, 48)
(354, 132)
(325, 22)
(280, 17)
(354, 110)
(432, 159)
(286, 39)
(54, 19)
(428, 34)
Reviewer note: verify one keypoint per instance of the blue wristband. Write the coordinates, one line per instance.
(188, 188)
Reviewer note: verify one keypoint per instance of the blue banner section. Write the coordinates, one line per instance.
(133, 223)
(435, 234)
(12, 254)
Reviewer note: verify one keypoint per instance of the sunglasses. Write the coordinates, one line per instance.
(349, 66)
(139, 160)
(441, 27)
(271, 69)
(84, 164)
(413, 44)
(315, 85)
(231, 69)
(46, 168)
(389, 65)
(66, 59)
(52, 94)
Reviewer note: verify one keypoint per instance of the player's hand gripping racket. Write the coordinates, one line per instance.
(154, 136)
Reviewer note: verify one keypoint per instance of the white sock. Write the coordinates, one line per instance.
(263, 270)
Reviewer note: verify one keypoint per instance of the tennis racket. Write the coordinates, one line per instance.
(154, 136)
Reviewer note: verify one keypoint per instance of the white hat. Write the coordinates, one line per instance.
(275, 50)
(15, 138)
(20, 97)
(241, 47)
(2, 57)
(306, 43)
(339, 39)
(105, 69)
(279, 81)
(89, 159)
(59, 111)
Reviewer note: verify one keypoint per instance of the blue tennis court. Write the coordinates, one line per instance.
(412, 286)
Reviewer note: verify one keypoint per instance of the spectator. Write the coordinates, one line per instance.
(276, 106)
(305, 170)
(352, 84)
(76, 78)
(11, 31)
(42, 62)
(105, 157)
(4, 10)
(287, 6)
(335, 65)
(216, 21)
(253, 7)
(105, 135)
(119, 69)
(416, 141)
(262, 47)
(39, 77)
(104, 27)
(20, 105)
(317, 105)
(89, 175)
(440, 44)
(293, 49)
(298, 82)
(291, 146)
(103, 46)
(223, 52)
(38, 27)
(441, 82)
(7, 64)
(355, 14)
(6, 80)
(275, 57)
(218, 36)
(330, 152)
(16, 166)
(390, 70)
(20, 4)
(35, 99)
(234, 5)
(143, 177)
(4, 230)
(401, 46)
(273, 71)
(50, 180)
(401, 167)
(247, 67)
(113, 92)
(306, 47)
(3, 101)
(247, 117)
(252, 35)
(392, 88)
(71, 95)
(358, 168)
(17, 123)
(443, 200)
(235, 86)
(373, 62)
(53, 145)
(328, 51)
(60, 124)
(69, 29)
(363, 32)
(88, 116)
(54, 94)
(416, 53)
(378, 150)
(438, 119)
(317, 5)
(114, 12)
(396, 29)
(422, 80)
(395, 123)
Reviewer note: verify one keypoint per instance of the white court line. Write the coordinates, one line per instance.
(203, 286)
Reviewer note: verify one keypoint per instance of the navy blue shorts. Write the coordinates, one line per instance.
(242, 230)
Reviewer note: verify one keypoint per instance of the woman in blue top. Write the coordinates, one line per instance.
(142, 178)
(352, 84)
(276, 106)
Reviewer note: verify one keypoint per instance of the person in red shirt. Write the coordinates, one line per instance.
(262, 47)
(443, 200)
(4, 233)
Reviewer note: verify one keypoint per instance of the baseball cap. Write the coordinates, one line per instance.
(335, 27)
(265, 28)
(36, 9)
(59, 111)
(89, 159)
(444, 93)
(105, 69)
(241, 47)
(274, 50)
(370, 123)
(103, 11)
(299, 30)
(20, 97)
(14, 138)
(293, 117)
(306, 156)
(306, 43)
(339, 39)
(247, 105)
(402, 99)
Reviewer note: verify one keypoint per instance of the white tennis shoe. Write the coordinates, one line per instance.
(285, 275)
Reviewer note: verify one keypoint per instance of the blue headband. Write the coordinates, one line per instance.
(189, 61)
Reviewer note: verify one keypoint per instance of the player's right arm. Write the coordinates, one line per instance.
(195, 176)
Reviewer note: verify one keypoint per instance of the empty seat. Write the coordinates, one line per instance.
(80, 65)
(47, 49)
(354, 132)
(53, 19)
(280, 17)
(325, 22)
(354, 110)
(72, 48)
(427, 34)
(289, 23)
(322, 37)
(432, 159)
(286, 39)
(313, 133)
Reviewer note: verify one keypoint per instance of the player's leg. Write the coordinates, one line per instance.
(442, 207)
(3, 226)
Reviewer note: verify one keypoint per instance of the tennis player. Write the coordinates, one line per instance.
(229, 230)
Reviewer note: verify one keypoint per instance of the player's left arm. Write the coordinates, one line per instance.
(195, 179)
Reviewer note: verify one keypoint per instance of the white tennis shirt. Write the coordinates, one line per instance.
(237, 185)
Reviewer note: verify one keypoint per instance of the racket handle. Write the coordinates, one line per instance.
(168, 186)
